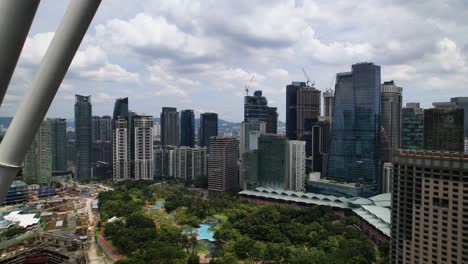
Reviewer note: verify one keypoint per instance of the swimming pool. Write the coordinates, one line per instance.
(204, 232)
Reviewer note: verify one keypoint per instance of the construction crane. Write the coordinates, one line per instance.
(308, 82)
(247, 87)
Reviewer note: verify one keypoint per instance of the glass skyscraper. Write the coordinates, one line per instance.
(58, 134)
(354, 154)
(83, 137)
(187, 128)
(443, 128)
(272, 160)
(169, 126)
(412, 127)
(256, 109)
(208, 128)
(120, 108)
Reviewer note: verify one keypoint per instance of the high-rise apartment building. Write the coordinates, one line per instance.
(390, 114)
(272, 120)
(302, 107)
(83, 114)
(272, 160)
(295, 165)
(38, 159)
(223, 168)
(328, 102)
(208, 128)
(443, 128)
(144, 164)
(412, 127)
(101, 128)
(354, 153)
(121, 149)
(190, 163)
(58, 143)
(169, 126)
(187, 128)
(429, 207)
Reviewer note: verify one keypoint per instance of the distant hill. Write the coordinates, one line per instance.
(222, 124)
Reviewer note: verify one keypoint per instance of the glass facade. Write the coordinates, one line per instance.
(83, 137)
(169, 126)
(272, 160)
(443, 129)
(354, 154)
(58, 134)
(208, 128)
(462, 102)
(412, 128)
(255, 107)
(187, 128)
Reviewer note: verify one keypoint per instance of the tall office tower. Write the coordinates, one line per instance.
(429, 207)
(272, 160)
(187, 128)
(295, 165)
(247, 131)
(144, 164)
(462, 102)
(354, 154)
(272, 121)
(121, 149)
(208, 128)
(328, 102)
(120, 108)
(101, 128)
(302, 106)
(169, 126)
(190, 163)
(38, 159)
(255, 107)
(443, 128)
(58, 143)
(318, 137)
(223, 170)
(83, 137)
(412, 127)
(390, 114)
(249, 170)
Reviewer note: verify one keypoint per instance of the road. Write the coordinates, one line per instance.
(92, 252)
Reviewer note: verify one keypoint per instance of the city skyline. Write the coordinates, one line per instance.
(218, 58)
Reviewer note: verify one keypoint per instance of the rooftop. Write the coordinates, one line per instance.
(24, 220)
(375, 210)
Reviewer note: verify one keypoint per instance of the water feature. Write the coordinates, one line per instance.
(204, 232)
(157, 206)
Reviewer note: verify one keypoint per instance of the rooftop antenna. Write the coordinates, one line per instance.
(247, 87)
(308, 82)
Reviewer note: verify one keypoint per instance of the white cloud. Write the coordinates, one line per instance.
(111, 73)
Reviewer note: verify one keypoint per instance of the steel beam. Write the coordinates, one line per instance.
(44, 86)
(15, 21)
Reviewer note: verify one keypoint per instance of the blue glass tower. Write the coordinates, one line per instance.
(187, 128)
(208, 128)
(355, 135)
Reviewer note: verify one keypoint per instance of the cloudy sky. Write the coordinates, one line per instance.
(199, 54)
